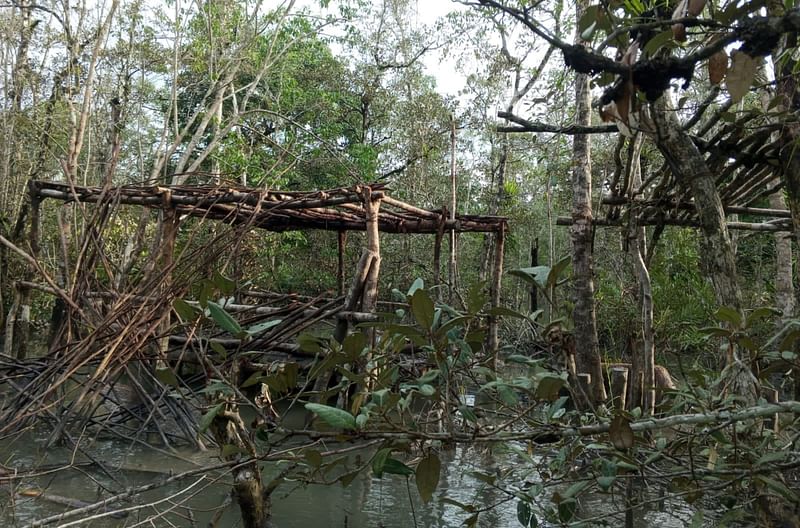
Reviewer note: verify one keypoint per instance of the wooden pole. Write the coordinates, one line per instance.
(619, 386)
(765, 227)
(437, 253)
(497, 282)
(452, 263)
(534, 263)
(342, 239)
(169, 226)
(372, 204)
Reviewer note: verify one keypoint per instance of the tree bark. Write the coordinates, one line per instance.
(787, 91)
(587, 349)
(784, 285)
(643, 362)
(689, 167)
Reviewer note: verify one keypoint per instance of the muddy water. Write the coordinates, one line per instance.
(388, 502)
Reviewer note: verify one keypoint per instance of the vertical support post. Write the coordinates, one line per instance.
(169, 233)
(59, 312)
(452, 263)
(437, 252)
(497, 282)
(372, 205)
(619, 386)
(366, 276)
(340, 271)
(534, 263)
(22, 331)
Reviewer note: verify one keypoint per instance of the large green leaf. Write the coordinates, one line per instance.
(262, 327)
(423, 308)
(417, 285)
(536, 275)
(185, 311)
(208, 417)
(395, 467)
(427, 476)
(224, 319)
(337, 418)
(729, 315)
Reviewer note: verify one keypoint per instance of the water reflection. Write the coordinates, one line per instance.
(388, 502)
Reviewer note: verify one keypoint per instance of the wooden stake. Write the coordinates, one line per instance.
(340, 270)
(497, 283)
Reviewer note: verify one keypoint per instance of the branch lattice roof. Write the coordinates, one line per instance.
(334, 210)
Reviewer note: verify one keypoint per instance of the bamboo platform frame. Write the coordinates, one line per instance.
(366, 208)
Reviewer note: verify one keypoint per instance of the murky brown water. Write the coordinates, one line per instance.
(367, 502)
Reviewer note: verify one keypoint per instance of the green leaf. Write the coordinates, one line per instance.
(469, 508)
(185, 311)
(429, 376)
(309, 343)
(729, 315)
(567, 509)
(779, 488)
(476, 298)
(337, 418)
(587, 33)
(467, 413)
(224, 319)
(223, 283)
(759, 314)
(507, 395)
(263, 326)
(524, 513)
(427, 476)
(230, 450)
(427, 390)
(657, 42)
(208, 417)
(605, 483)
(167, 377)
(715, 331)
(536, 275)
(576, 489)
(395, 467)
(354, 344)
(348, 478)
(418, 284)
(548, 387)
(379, 460)
(423, 309)
(313, 457)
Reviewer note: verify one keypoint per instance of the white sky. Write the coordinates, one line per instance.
(448, 79)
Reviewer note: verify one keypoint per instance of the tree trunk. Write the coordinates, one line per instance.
(689, 167)
(787, 91)
(643, 362)
(784, 285)
(229, 429)
(587, 349)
